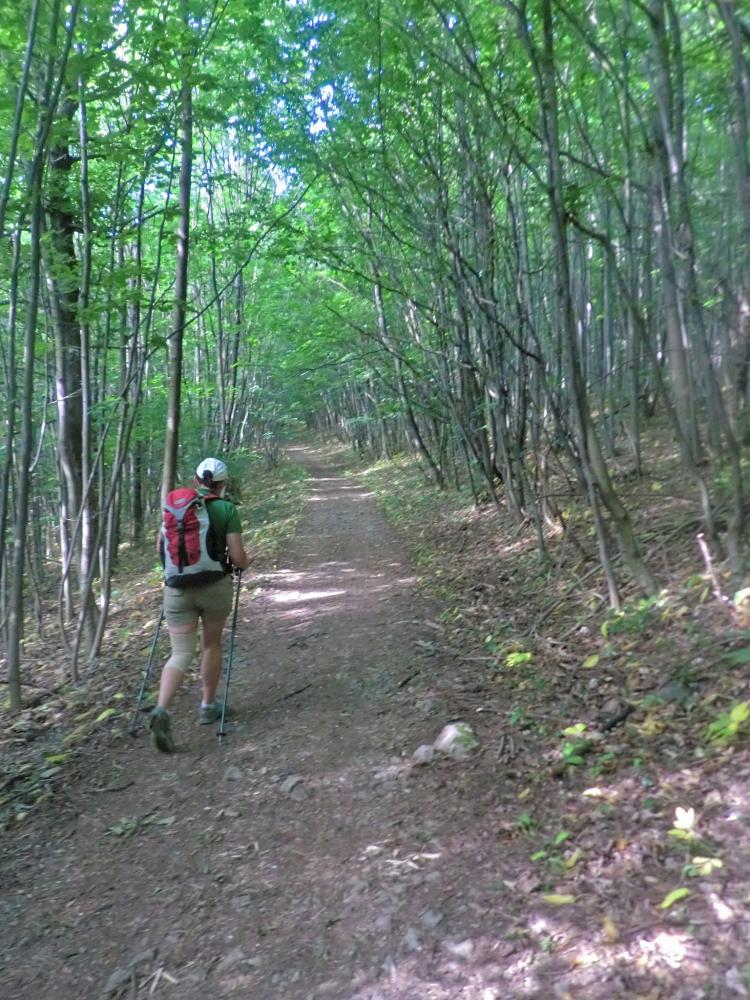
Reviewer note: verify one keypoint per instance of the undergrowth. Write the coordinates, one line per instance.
(270, 501)
(619, 736)
(671, 661)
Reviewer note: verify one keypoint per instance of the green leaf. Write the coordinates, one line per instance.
(738, 657)
(740, 712)
(591, 661)
(516, 659)
(106, 714)
(576, 730)
(673, 897)
(559, 899)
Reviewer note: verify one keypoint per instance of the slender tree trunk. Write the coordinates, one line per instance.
(15, 130)
(171, 438)
(592, 465)
(25, 453)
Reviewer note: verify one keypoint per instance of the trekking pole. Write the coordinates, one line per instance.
(133, 727)
(222, 731)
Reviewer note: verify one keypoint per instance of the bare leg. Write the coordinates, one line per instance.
(213, 630)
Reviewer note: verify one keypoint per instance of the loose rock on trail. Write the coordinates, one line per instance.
(310, 855)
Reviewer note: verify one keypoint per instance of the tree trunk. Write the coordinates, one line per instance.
(25, 453)
(171, 437)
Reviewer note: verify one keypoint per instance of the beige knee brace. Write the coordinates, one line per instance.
(183, 650)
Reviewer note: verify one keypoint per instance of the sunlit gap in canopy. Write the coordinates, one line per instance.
(236, 132)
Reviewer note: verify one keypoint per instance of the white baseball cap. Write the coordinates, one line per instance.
(213, 466)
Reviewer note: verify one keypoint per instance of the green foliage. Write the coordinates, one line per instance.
(737, 657)
(127, 826)
(674, 897)
(337, 153)
(574, 748)
(560, 862)
(729, 724)
(525, 822)
(518, 658)
(571, 752)
(274, 504)
(634, 618)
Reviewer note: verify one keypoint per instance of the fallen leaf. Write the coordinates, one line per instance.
(673, 897)
(610, 929)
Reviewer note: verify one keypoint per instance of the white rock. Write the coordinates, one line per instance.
(292, 786)
(233, 773)
(411, 940)
(458, 740)
(430, 919)
(423, 754)
(461, 949)
(121, 977)
(116, 981)
(230, 960)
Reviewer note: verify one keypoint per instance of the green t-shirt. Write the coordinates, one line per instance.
(224, 519)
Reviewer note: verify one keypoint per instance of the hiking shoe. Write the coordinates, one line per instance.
(210, 713)
(161, 730)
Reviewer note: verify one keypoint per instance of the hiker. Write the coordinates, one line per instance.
(198, 562)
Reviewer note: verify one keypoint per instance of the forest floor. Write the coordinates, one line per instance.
(311, 856)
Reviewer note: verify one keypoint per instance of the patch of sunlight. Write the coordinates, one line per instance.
(608, 794)
(294, 596)
(668, 947)
(587, 956)
(519, 547)
(321, 497)
(723, 912)
(539, 925)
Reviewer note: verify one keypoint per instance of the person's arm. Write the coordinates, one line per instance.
(237, 555)
(235, 548)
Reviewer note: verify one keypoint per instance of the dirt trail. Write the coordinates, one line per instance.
(364, 879)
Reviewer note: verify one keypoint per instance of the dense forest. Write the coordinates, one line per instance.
(507, 237)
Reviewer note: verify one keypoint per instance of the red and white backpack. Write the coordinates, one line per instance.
(188, 545)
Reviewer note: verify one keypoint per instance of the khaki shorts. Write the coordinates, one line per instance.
(184, 606)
